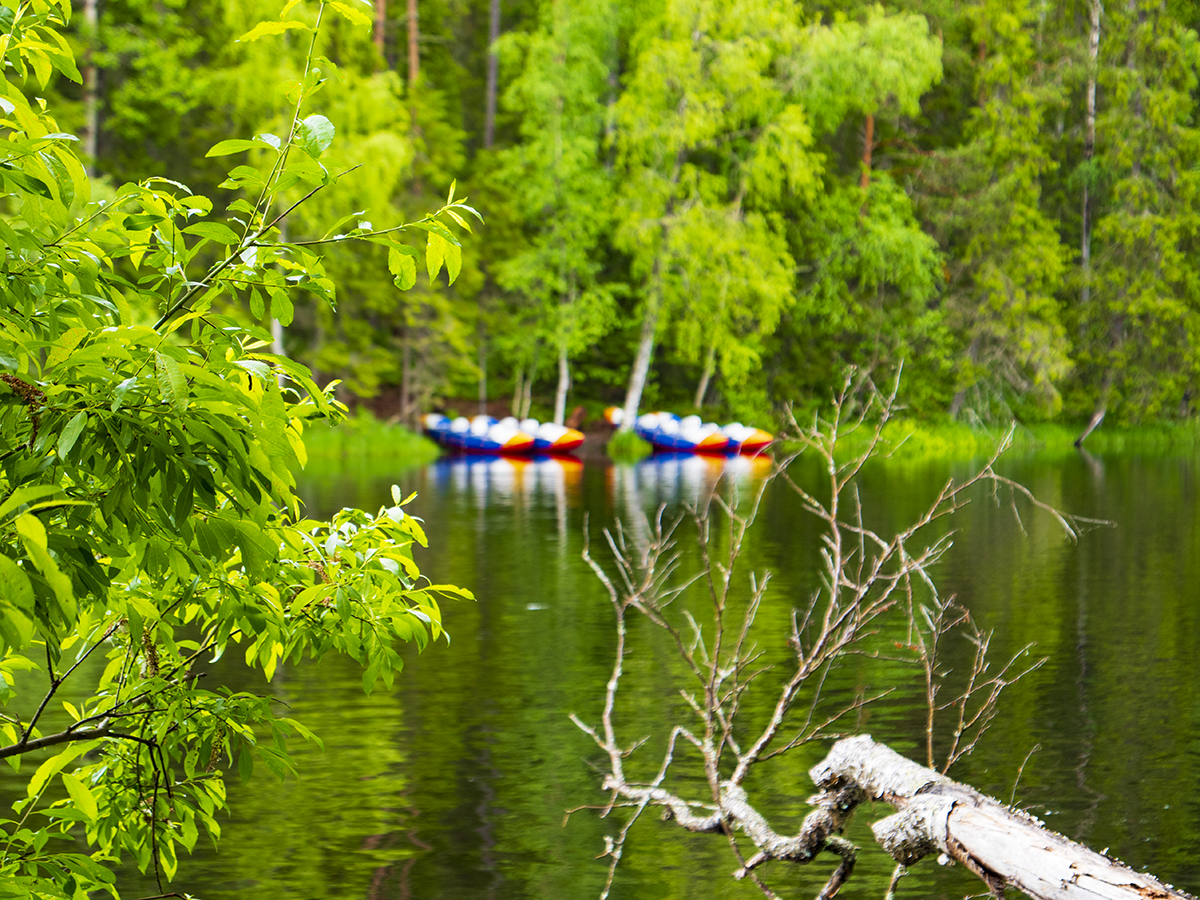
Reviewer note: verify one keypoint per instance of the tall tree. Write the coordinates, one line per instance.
(706, 118)
(1007, 266)
(557, 173)
(1139, 332)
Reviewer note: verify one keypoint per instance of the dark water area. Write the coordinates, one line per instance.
(455, 784)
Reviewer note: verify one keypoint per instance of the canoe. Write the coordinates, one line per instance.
(481, 434)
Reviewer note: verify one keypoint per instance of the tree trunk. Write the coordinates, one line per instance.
(527, 399)
(489, 115)
(564, 383)
(710, 365)
(380, 25)
(91, 113)
(406, 378)
(518, 393)
(645, 351)
(1003, 846)
(868, 149)
(414, 55)
(1089, 147)
(481, 336)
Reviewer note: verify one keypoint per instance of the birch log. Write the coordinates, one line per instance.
(1003, 846)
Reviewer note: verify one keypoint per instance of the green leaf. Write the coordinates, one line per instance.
(281, 307)
(404, 267)
(70, 434)
(84, 801)
(435, 254)
(354, 15)
(235, 145)
(263, 29)
(214, 231)
(316, 134)
(142, 221)
(171, 382)
(14, 584)
(25, 495)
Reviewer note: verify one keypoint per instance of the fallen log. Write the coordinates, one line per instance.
(1003, 846)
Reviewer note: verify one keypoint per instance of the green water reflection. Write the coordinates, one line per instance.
(455, 784)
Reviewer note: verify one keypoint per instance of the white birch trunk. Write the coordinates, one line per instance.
(564, 384)
(91, 113)
(641, 363)
(1003, 846)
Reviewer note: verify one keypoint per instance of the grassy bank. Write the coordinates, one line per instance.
(367, 438)
(627, 447)
(913, 440)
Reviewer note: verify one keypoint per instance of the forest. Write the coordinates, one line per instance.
(710, 205)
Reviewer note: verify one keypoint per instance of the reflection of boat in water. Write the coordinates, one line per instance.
(668, 433)
(486, 435)
(504, 479)
(682, 477)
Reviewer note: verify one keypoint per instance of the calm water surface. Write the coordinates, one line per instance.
(455, 784)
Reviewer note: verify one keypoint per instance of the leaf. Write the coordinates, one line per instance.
(70, 434)
(404, 267)
(214, 231)
(171, 382)
(235, 145)
(281, 307)
(316, 134)
(435, 254)
(263, 29)
(14, 584)
(31, 528)
(453, 261)
(354, 15)
(142, 221)
(25, 495)
(84, 801)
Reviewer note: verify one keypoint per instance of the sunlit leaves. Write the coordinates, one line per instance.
(148, 521)
(265, 29)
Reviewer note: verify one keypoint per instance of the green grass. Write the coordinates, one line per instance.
(909, 440)
(363, 437)
(627, 447)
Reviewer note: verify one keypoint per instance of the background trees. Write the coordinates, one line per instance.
(998, 195)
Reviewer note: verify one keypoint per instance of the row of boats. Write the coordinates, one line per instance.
(666, 432)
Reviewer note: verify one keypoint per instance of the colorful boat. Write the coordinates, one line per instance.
(746, 439)
(669, 433)
(481, 434)
(548, 437)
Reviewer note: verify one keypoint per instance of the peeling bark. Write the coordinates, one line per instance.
(1003, 846)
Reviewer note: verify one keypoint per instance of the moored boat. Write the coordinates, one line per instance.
(746, 439)
(668, 432)
(481, 434)
(548, 437)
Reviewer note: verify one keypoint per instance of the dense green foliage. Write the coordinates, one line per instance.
(148, 450)
(707, 203)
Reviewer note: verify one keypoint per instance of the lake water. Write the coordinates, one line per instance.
(455, 784)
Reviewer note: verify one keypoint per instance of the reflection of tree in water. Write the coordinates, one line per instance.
(380, 877)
